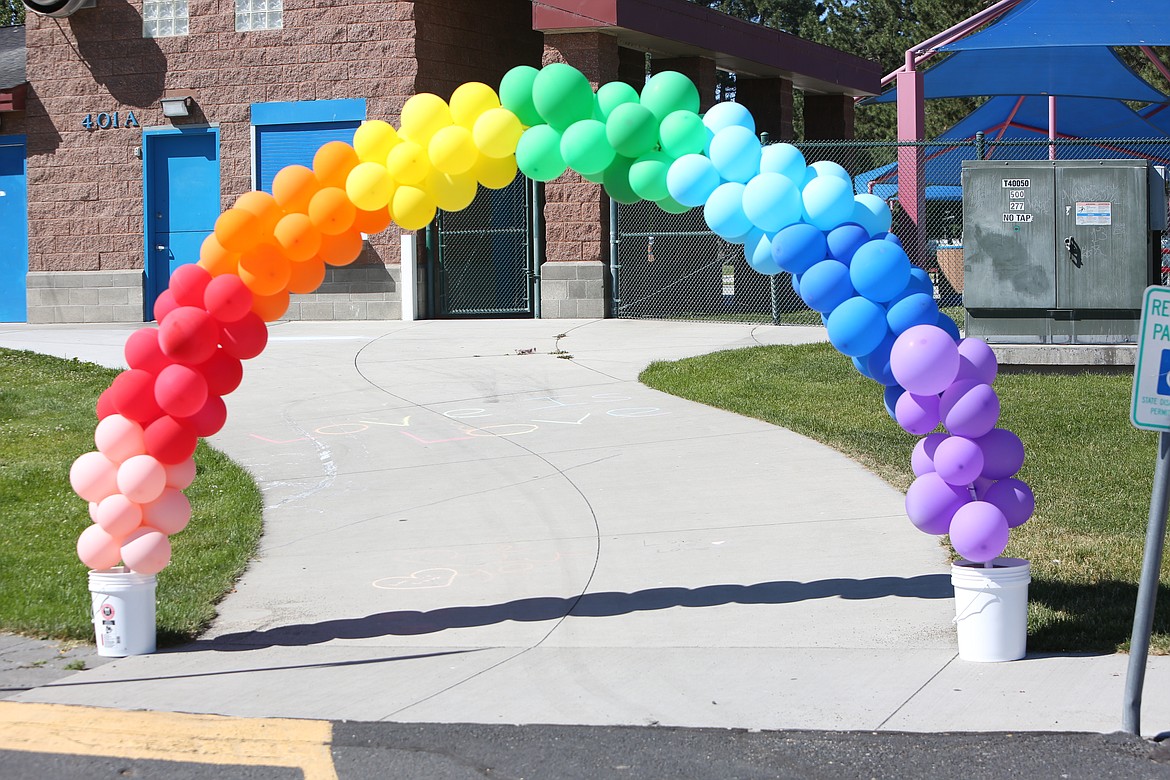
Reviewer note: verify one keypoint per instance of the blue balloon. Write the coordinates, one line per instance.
(857, 326)
(862, 366)
(827, 201)
(843, 241)
(910, 309)
(757, 250)
(784, 159)
(879, 270)
(828, 168)
(796, 283)
(878, 362)
(891, 238)
(724, 212)
(920, 281)
(728, 114)
(890, 399)
(825, 285)
(872, 213)
(691, 179)
(735, 153)
(947, 324)
(772, 202)
(797, 247)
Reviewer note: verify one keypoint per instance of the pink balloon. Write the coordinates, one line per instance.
(146, 551)
(93, 510)
(181, 475)
(170, 513)
(93, 476)
(97, 549)
(1003, 453)
(917, 414)
(922, 458)
(958, 460)
(931, 503)
(969, 409)
(118, 515)
(977, 361)
(142, 479)
(1014, 498)
(180, 390)
(924, 360)
(119, 438)
(979, 531)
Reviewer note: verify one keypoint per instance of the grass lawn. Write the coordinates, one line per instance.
(46, 421)
(1090, 469)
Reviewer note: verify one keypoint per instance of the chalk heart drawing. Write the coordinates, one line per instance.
(420, 580)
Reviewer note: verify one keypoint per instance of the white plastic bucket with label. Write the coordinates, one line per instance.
(123, 611)
(991, 609)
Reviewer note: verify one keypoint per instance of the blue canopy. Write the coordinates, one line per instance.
(1073, 23)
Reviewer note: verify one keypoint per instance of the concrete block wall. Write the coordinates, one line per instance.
(84, 296)
(356, 292)
(572, 290)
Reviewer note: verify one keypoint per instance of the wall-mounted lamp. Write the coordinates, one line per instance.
(177, 106)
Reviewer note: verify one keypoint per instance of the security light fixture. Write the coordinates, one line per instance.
(58, 8)
(176, 106)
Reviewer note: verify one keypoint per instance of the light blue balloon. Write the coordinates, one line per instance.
(772, 202)
(797, 247)
(735, 153)
(691, 179)
(857, 326)
(825, 286)
(913, 308)
(879, 270)
(784, 159)
(828, 168)
(827, 202)
(872, 213)
(723, 212)
(757, 249)
(726, 114)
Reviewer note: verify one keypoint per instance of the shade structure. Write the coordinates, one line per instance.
(1036, 23)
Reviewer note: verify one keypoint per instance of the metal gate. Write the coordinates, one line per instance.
(483, 260)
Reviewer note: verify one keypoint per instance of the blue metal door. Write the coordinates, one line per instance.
(181, 197)
(13, 229)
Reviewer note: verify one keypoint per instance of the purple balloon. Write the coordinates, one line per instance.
(981, 485)
(979, 531)
(1014, 498)
(917, 414)
(925, 360)
(922, 458)
(958, 460)
(969, 408)
(977, 361)
(1003, 453)
(931, 503)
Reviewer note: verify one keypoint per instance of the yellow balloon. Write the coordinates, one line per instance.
(369, 186)
(470, 100)
(496, 132)
(408, 163)
(422, 116)
(495, 173)
(452, 150)
(452, 193)
(412, 208)
(373, 140)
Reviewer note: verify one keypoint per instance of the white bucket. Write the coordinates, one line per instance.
(123, 611)
(991, 609)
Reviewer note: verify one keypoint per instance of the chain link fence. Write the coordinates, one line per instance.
(668, 266)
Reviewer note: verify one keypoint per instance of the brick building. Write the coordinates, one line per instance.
(133, 123)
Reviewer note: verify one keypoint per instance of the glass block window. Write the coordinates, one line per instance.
(259, 15)
(164, 18)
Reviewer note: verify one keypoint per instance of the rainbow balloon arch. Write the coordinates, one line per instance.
(878, 309)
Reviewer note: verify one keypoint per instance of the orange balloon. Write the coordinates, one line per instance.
(331, 212)
(238, 230)
(297, 237)
(293, 187)
(307, 276)
(371, 222)
(265, 270)
(216, 260)
(264, 206)
(270, 307)
(333, 162)
(341, 249)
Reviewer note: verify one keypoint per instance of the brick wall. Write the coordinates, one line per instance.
(460, 41)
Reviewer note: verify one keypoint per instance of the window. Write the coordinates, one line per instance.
(164, 18)
(259, 15)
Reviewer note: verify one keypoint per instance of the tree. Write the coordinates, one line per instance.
(11, 12)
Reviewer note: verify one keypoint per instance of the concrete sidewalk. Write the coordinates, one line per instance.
(493, 522)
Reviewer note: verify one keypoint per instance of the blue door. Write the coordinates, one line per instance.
(13, 229)
(181, 201)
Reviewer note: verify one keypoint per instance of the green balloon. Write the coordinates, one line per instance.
(683, 132)
(516, 94)
(648, 176)
(631, 129)
(562, 95)
(671, 206)
(584, 147)
(538, 155)
(670, 91)
(612, 95)
(617, 181)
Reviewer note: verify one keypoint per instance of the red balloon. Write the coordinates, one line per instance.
(132, 393)
(246, 338)
(164, 304)
(170, 441)
(222, 372)
(105, 404)
(142, 351)
(188, 335)
(188, 283)
(210, 419)
(227, 298)
(180, 390)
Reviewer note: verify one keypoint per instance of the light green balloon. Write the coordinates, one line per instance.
(632, 129)
(585, 148)
(617, 181)
(562, 95)
(648, 176)
(516, 94)
(683, 132)
(671, 206)
(612, 95)
(538, 155)
(670, 91)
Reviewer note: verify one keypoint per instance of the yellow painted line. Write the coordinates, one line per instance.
(163, 736)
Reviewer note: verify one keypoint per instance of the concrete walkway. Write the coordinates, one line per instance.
(493, 522)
